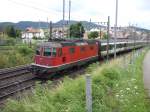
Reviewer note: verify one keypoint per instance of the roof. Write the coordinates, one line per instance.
(50, 44)
(32, 30)
(68, 43)
(58, 43)
(63, 43)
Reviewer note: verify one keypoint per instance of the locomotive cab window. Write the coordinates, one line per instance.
(47, 52)
(50, 52)
(38, 51)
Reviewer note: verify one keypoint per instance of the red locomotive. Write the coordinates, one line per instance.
(55, 56)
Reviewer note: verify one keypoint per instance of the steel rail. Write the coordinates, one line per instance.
(14, 80)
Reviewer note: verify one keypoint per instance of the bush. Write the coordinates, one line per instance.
(105, 36)
(6, 42)
(111, 73)
(14, 56)
(3, 61)
(24, 50)
(93, 35)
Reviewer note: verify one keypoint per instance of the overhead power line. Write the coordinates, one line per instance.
(30, 6)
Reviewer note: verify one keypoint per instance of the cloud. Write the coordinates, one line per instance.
(144, 5)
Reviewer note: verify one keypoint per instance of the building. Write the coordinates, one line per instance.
(31, 33)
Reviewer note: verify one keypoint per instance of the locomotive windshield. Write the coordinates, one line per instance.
(50, 52)
(47, 52)
(38, 51)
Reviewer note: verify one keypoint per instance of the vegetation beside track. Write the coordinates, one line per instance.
(15, 55)
(116, 87)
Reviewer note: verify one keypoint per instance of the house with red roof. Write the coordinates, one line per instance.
(31, 33)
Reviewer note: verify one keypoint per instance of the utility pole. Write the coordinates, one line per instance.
(147, 38)
(90, 25)
(100, 32)
(134, 36)
(50, 30)
(39, 24)
(108, 25)
(115, 36)
(69, 18)
(47, 27)
(80, 32)
(63, 17)
(47, 23)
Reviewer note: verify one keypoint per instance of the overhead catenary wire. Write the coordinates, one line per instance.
(30, 6)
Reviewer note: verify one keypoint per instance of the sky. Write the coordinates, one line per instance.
(133, 12)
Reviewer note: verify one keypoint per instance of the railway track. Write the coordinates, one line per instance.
(14, 80)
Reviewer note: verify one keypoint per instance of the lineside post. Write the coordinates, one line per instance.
(115, 31)
(108, 25)
(88, 94)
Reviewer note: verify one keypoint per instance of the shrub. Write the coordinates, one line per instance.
(111, 73)
(9, 41)
(24, 50)
(93, 35)
(3, 61)
(14, 56)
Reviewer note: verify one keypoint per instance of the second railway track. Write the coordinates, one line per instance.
(14, 80)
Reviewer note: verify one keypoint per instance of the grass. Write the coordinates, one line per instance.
(15, 55)
(115, 88)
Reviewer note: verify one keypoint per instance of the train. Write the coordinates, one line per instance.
(54, 56)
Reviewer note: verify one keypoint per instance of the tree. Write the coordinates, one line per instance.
(93, 35)
(10, 31)
(105, 36)
(18, 33)
(77, 30)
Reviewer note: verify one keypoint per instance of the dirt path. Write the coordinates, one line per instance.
(146, 71)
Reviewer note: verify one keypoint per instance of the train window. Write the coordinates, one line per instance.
(47, 52)
(120, 45)
(110, 47)
(54, 49)
(54, 52)
(82, 49)
(37, 51)
(71, 50)
(103, 48)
